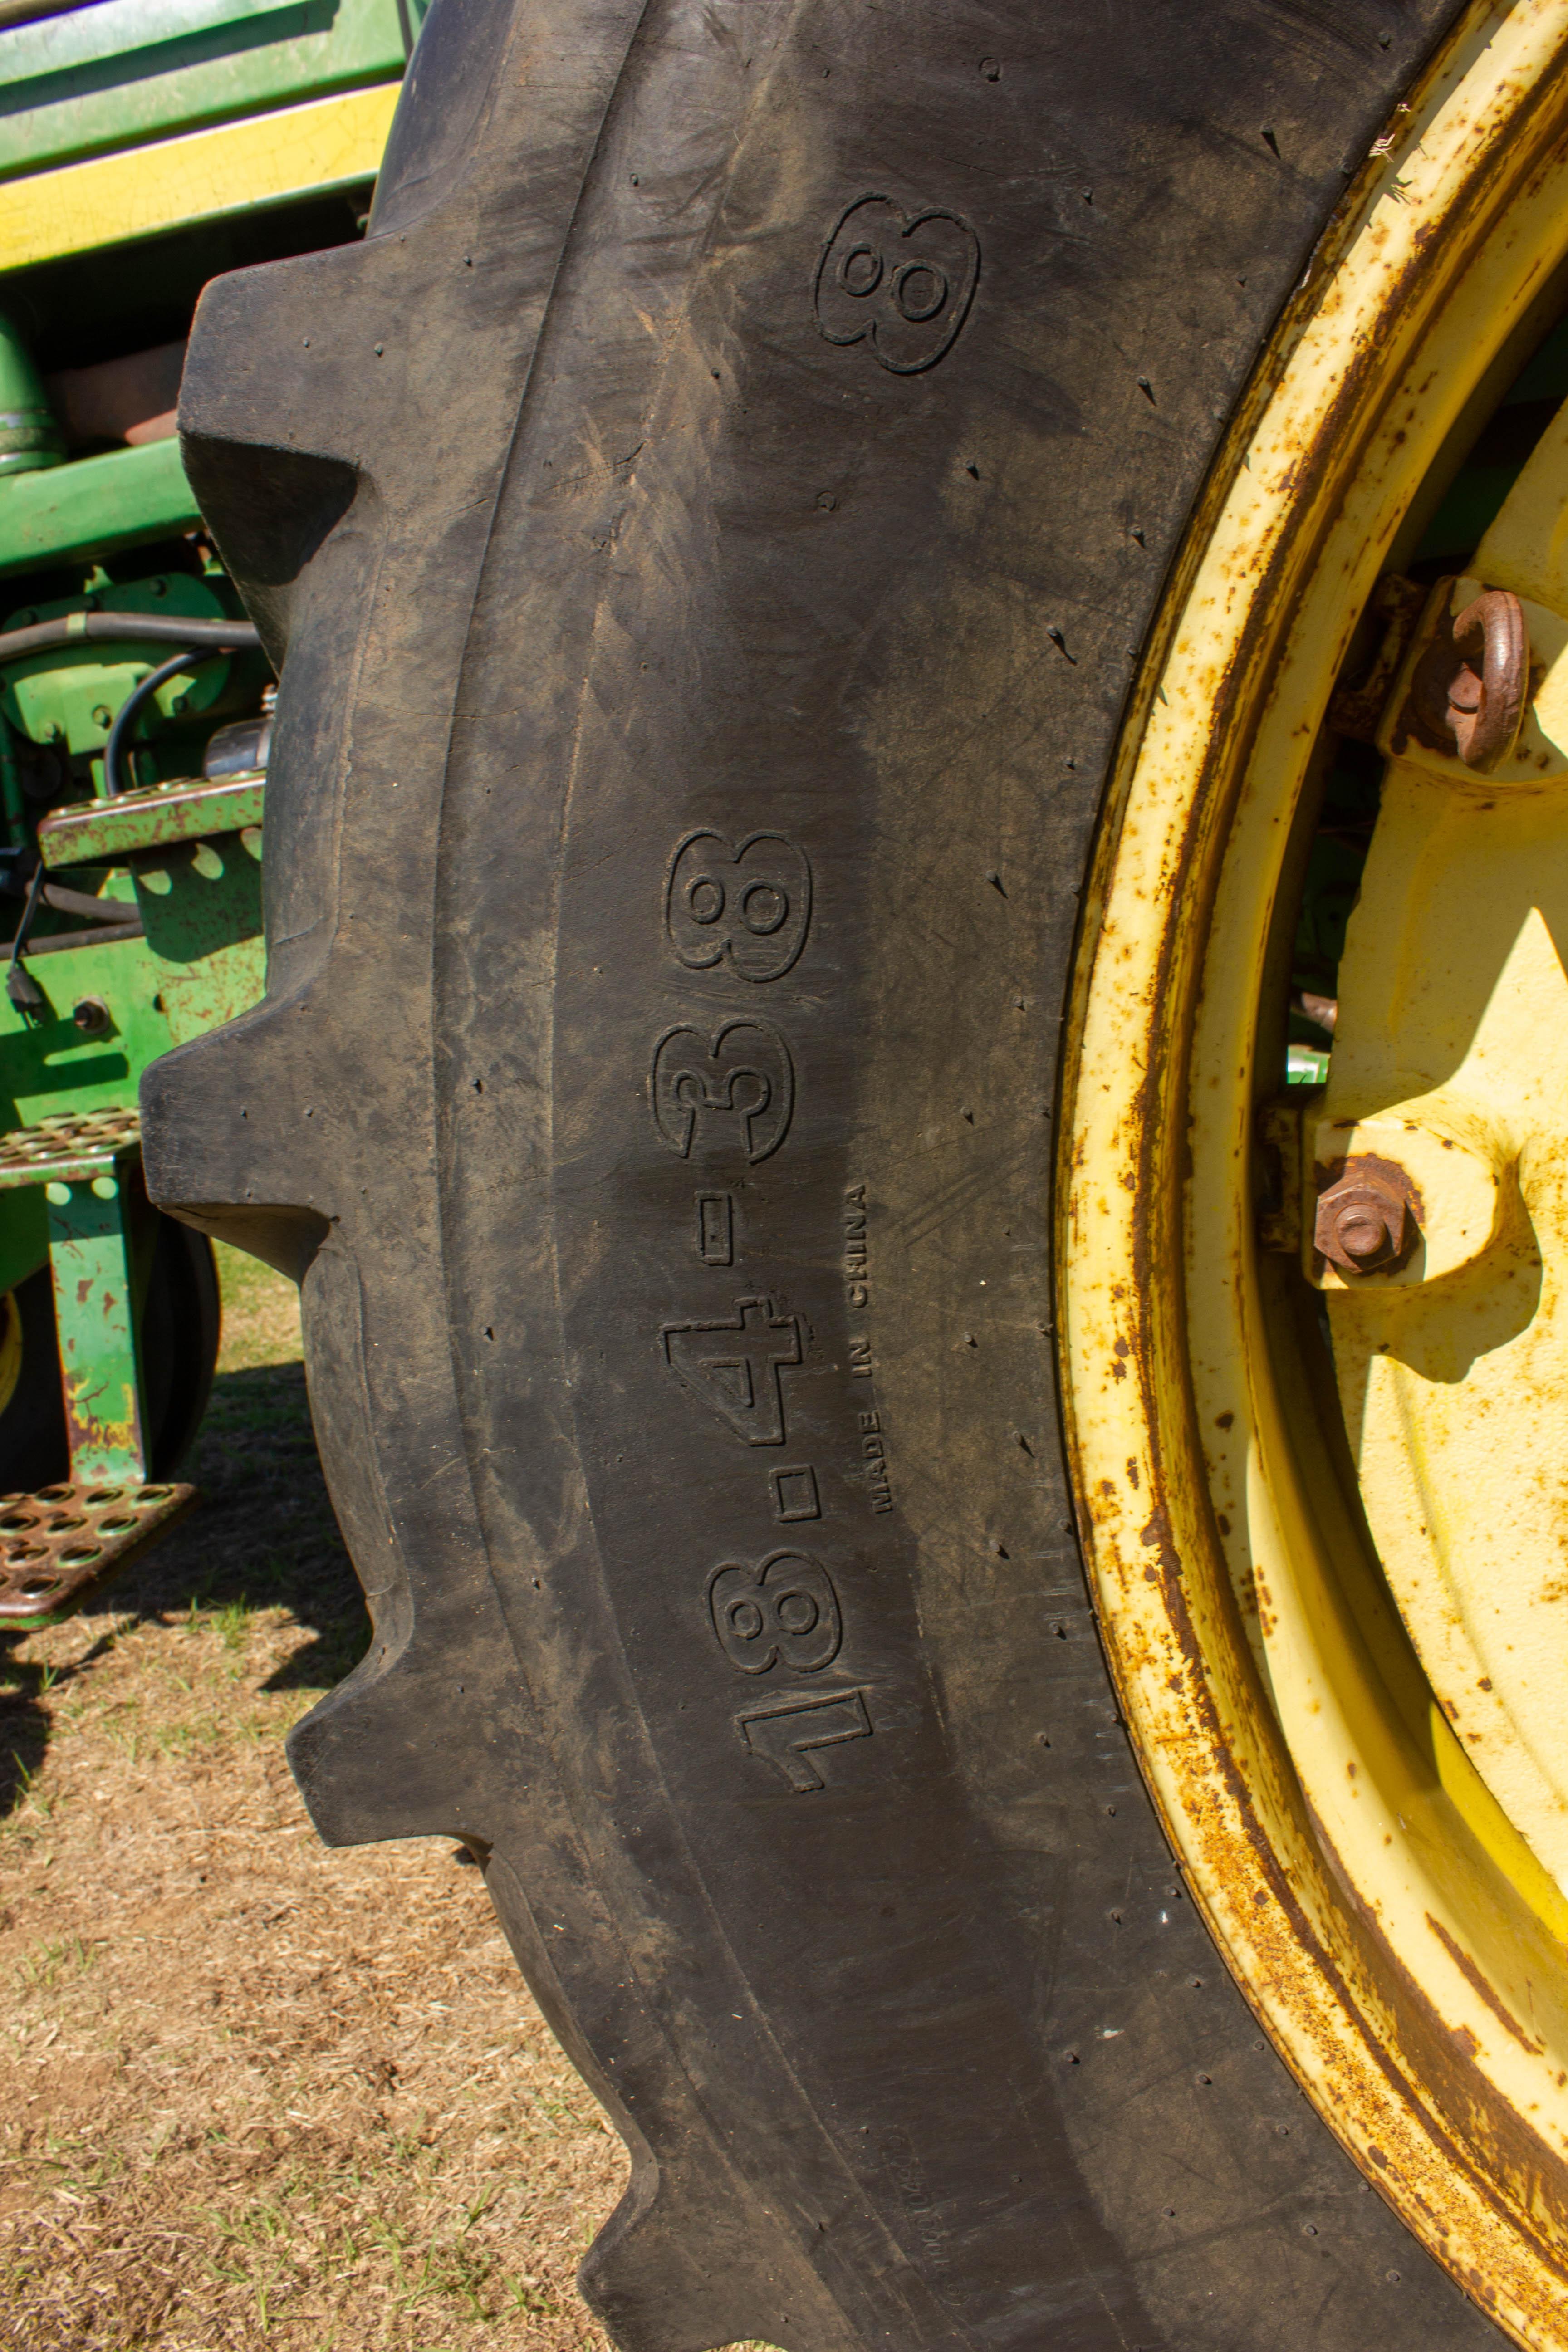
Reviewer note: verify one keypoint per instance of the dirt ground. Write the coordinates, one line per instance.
(252, 2092)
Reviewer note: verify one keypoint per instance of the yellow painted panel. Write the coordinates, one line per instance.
(1452, 1386)
(115, 198)
(1527, 547)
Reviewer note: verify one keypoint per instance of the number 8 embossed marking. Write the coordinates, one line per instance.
(787, 1609)
(899, 282)
(747, 908)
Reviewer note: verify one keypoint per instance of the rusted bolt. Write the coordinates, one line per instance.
(1470, 686)
(1368, 1219)
(90, 1015)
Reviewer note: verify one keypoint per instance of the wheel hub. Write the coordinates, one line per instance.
(1330, 1573)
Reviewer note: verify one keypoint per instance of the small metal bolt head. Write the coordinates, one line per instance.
(1364, 1223)
(90, 1015)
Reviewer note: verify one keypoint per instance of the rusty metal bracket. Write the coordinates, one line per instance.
(68, 1149)
(89, 1168)
(109, 832)
(1357, 710)
(100, 1233)
(59, 1547)
(1468, 688)
(63, 1544)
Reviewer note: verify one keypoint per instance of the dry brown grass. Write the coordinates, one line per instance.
(252, 2094)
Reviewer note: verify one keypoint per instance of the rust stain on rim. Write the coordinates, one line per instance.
(1404, 2059)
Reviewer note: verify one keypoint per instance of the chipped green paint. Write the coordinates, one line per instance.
(132, 130)
(49, 1067)
(203, 962)
(201, 904)
(93, 1252)
(104, 831)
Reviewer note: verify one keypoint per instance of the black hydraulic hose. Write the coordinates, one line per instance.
(94, 910)
(198, 639)
(125, 718)
(20, 986)
(126, 628)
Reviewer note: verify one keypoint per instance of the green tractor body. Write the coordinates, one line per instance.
(146, 146)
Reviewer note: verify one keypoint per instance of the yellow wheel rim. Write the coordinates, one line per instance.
(1391, 1926)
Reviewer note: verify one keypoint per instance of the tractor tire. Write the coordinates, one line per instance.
(713, 523)
(181, 1329)
(34, 1451)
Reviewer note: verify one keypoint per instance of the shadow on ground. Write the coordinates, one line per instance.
(262, 1537)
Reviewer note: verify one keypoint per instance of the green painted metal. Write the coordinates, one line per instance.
(121, 37)
(102, 830)
(61, 1148)
(69, 695)
(92, 1259)
(30, 440)
(128, 70)
(83, 513)
(203, 963)
(201, 905)
(47, 1065)
(180, 852)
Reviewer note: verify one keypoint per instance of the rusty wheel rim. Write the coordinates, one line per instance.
(1392, 1927)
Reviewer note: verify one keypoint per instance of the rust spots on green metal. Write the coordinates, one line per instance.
(94, 1226)
(103, 1444)
(103, 831)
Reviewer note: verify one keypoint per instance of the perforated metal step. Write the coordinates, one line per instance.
(60, 1546)
(68, 1147)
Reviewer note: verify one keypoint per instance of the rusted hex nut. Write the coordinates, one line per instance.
(1368, 1218)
